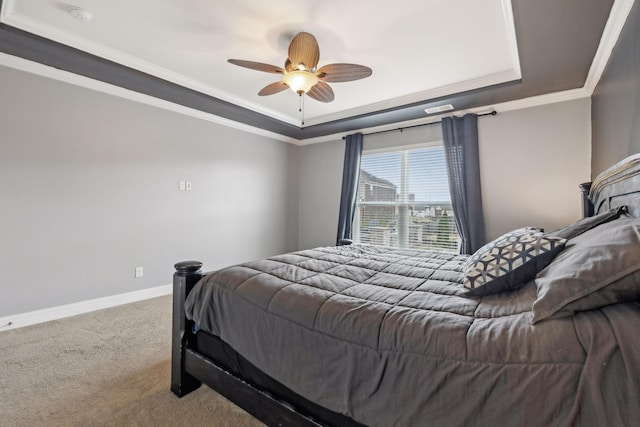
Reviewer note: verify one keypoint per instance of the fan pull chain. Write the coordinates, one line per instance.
(301, 109)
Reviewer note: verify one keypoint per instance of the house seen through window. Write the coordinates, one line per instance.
(403, 200)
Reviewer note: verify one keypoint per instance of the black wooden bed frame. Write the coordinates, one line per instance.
(189, 368)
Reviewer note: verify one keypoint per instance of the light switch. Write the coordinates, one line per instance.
(188, 185)
(139, 272)
(182, 186)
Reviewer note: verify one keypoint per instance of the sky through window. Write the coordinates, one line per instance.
(427, 176)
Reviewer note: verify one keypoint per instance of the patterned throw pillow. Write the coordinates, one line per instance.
(510, 261)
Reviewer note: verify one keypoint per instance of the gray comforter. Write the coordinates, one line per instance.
(388, 338)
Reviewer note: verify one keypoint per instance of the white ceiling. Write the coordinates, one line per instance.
(418, 49)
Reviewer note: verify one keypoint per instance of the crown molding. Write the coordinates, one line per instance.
(617, 18)
(507, 11)
(75, 79)
(519, 104)
(88, 83)
(614, 25)
(13, 18)
(443, 91)
(540, 100)
(42, 29)
(505, 76)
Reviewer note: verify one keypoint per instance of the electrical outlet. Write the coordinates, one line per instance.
(188, 185)
(181, 186)
(139, 272)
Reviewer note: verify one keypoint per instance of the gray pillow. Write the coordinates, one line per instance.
(510, 261)
(584, 224)
(599, 267)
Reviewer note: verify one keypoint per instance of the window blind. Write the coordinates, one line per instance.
(403, 200)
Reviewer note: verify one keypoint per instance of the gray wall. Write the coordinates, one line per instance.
(616, 100)
(89, 191)
(531, 162)
(89, 188)
(320, 181)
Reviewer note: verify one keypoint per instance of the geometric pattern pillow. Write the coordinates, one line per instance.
(510, 261)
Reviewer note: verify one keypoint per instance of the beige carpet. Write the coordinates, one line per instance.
(106, 368)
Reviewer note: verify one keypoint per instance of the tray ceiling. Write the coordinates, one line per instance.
(422, 52)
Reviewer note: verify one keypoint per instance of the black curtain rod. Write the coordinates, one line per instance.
(492, 113)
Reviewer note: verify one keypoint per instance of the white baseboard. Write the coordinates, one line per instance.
(45, 315)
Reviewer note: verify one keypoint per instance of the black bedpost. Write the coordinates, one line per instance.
(186, 276)
(587, 205)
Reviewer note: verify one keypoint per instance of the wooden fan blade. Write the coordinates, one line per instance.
(258, 66)
(304, 52)
(273, 88)
(335, 73)
(288, 66)
(321, 92)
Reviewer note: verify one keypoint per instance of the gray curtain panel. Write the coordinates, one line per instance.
(460, 135)
(350, 176)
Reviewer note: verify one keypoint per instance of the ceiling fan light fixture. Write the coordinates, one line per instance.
(305, 77)
(300, 81)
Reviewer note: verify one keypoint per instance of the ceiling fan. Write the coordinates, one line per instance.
(300, 72)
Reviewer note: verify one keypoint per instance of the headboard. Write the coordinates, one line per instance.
(617, 186)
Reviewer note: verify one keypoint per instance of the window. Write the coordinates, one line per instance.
(403, 200)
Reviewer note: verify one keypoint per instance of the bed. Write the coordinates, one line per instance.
(359, 335)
